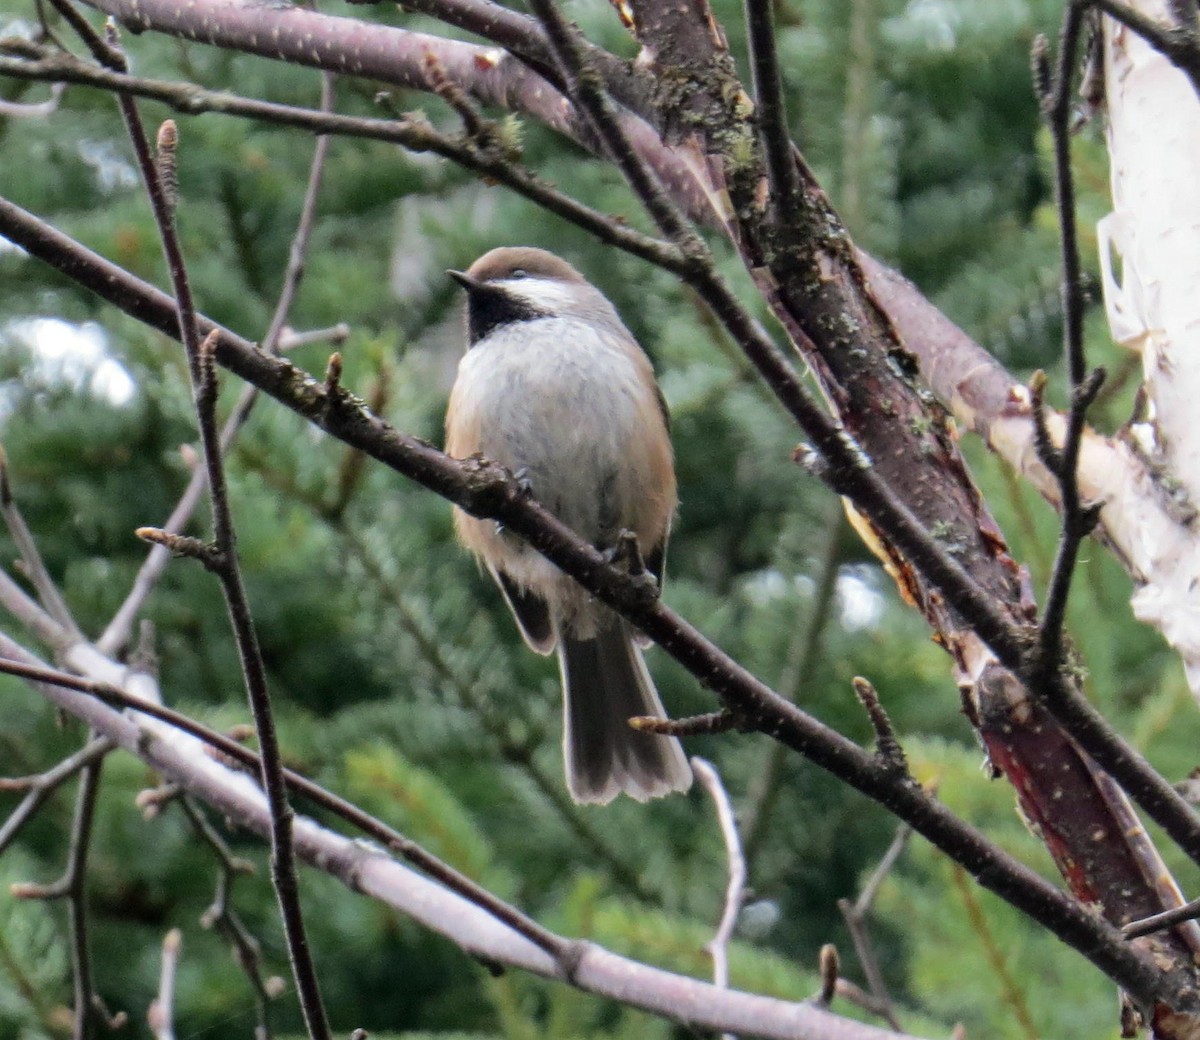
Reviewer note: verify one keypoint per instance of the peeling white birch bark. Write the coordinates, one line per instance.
(1153, 306)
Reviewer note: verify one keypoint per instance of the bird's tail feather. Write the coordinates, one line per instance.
(605, 682)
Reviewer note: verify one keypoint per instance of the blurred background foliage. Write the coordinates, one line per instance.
(397, 675)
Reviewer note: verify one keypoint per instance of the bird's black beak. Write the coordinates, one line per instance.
(466, 281)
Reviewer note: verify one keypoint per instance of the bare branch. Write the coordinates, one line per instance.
(413, 133)
(368, 870)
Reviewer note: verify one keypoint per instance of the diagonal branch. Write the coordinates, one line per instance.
(367, 870)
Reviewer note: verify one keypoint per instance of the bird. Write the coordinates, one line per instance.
(555, 388)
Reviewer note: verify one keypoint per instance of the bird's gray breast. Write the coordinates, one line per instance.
(559, 405)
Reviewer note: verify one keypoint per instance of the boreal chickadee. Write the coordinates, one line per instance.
(556, 389)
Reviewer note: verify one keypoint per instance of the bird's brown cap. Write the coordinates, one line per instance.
(504, 263)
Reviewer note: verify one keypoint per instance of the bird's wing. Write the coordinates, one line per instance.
(531, 612)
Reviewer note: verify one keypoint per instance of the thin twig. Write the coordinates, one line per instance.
(89, 1010)
(161, 1016)
(697, 725)
(1167, 919)
(35, 566)
(866, 898)
(298, 251)
(290, 340)
(109, 56)
(887, 746)
(41, 786)
(859, 997)
(718, 946)
(828, 967)
(770, 106)
(855, 915)
(1077, 521)
(158, 176)
(117, 633)
(220, 915)
(1058, 112)
(477, 126)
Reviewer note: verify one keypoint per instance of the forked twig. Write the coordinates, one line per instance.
(228, 922)
(88, 1009)
(855, 914)
(40, 786)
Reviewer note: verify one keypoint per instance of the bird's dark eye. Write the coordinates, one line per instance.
(519, 272)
